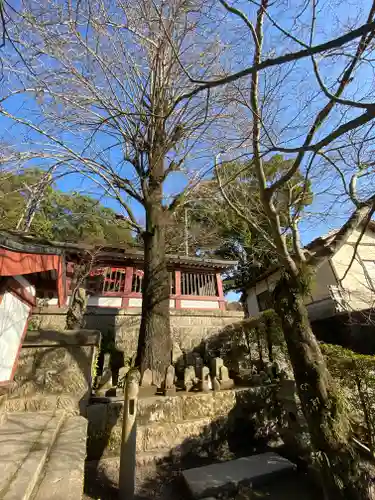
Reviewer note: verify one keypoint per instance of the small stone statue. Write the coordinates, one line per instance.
(206, 379)
(146, 387)
(146, 379)
(123, 371)
(105, 382)
(189, 378)
(225, 381)
(215, 384)
(169, 386)
(177, 353)
(189, 358)
(198, 363)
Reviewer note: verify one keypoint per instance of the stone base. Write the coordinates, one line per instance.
(147, 392)
(170, 392)
(228, 384)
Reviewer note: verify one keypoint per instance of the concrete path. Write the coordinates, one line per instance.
(30, 444)
(226, 476)
(63, 474)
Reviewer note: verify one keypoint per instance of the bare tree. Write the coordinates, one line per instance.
(127, 78)
(108, 78)
(320, 129)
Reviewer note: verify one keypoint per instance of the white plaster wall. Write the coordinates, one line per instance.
(13, 317)
(368, 237)
(358, 293)
(319, 291)
(323, 279)
(105, 301)
(261, 287)
(199, 304)
(252, 303)
(135, 302)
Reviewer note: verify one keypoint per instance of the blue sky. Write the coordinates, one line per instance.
(311, 227)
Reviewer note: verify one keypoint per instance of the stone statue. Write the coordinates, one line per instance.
(225, 381)
(169, 385)
(215, 384)
(206, 379)
(190, 378)
(146, 387)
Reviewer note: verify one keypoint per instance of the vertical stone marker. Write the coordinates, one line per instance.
(147, 389)
(169, 385)
(216, 364)
(129, 437)
(215, 384)
(146, 380)
(225, 381)
(189, 378)
(205, 382)
(198, 366)
(105, 382)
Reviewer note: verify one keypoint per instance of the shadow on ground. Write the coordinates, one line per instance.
(251, 427)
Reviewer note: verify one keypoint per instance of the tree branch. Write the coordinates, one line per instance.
(267, 63)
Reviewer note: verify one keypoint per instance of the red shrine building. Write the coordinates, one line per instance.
(34, 273)
(114, 278)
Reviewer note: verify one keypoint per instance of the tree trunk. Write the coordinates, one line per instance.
(260, 350)
(154, 344)
(268, 333)
(343, 474)
(75, 319)
(363, 399)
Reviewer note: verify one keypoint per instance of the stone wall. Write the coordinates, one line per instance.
(189, 327)
(193, 423)
(54, 371)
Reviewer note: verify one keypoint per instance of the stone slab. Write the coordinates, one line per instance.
(68, 337)
(25, 442)
(212, 479)
(64, 472)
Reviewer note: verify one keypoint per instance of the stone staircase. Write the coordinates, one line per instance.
(42, 456)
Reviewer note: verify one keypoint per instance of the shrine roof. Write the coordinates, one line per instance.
(103, 254)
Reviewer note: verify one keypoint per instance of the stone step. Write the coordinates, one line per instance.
(226, 476)
(25, 442)
(63, 475)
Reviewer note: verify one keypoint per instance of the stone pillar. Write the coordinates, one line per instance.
(129, 436)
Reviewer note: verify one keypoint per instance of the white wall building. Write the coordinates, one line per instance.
(339, 285)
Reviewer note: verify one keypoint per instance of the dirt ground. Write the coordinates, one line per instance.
(166, 483)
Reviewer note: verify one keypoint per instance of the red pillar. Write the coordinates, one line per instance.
(220, 292)
(177, 277)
